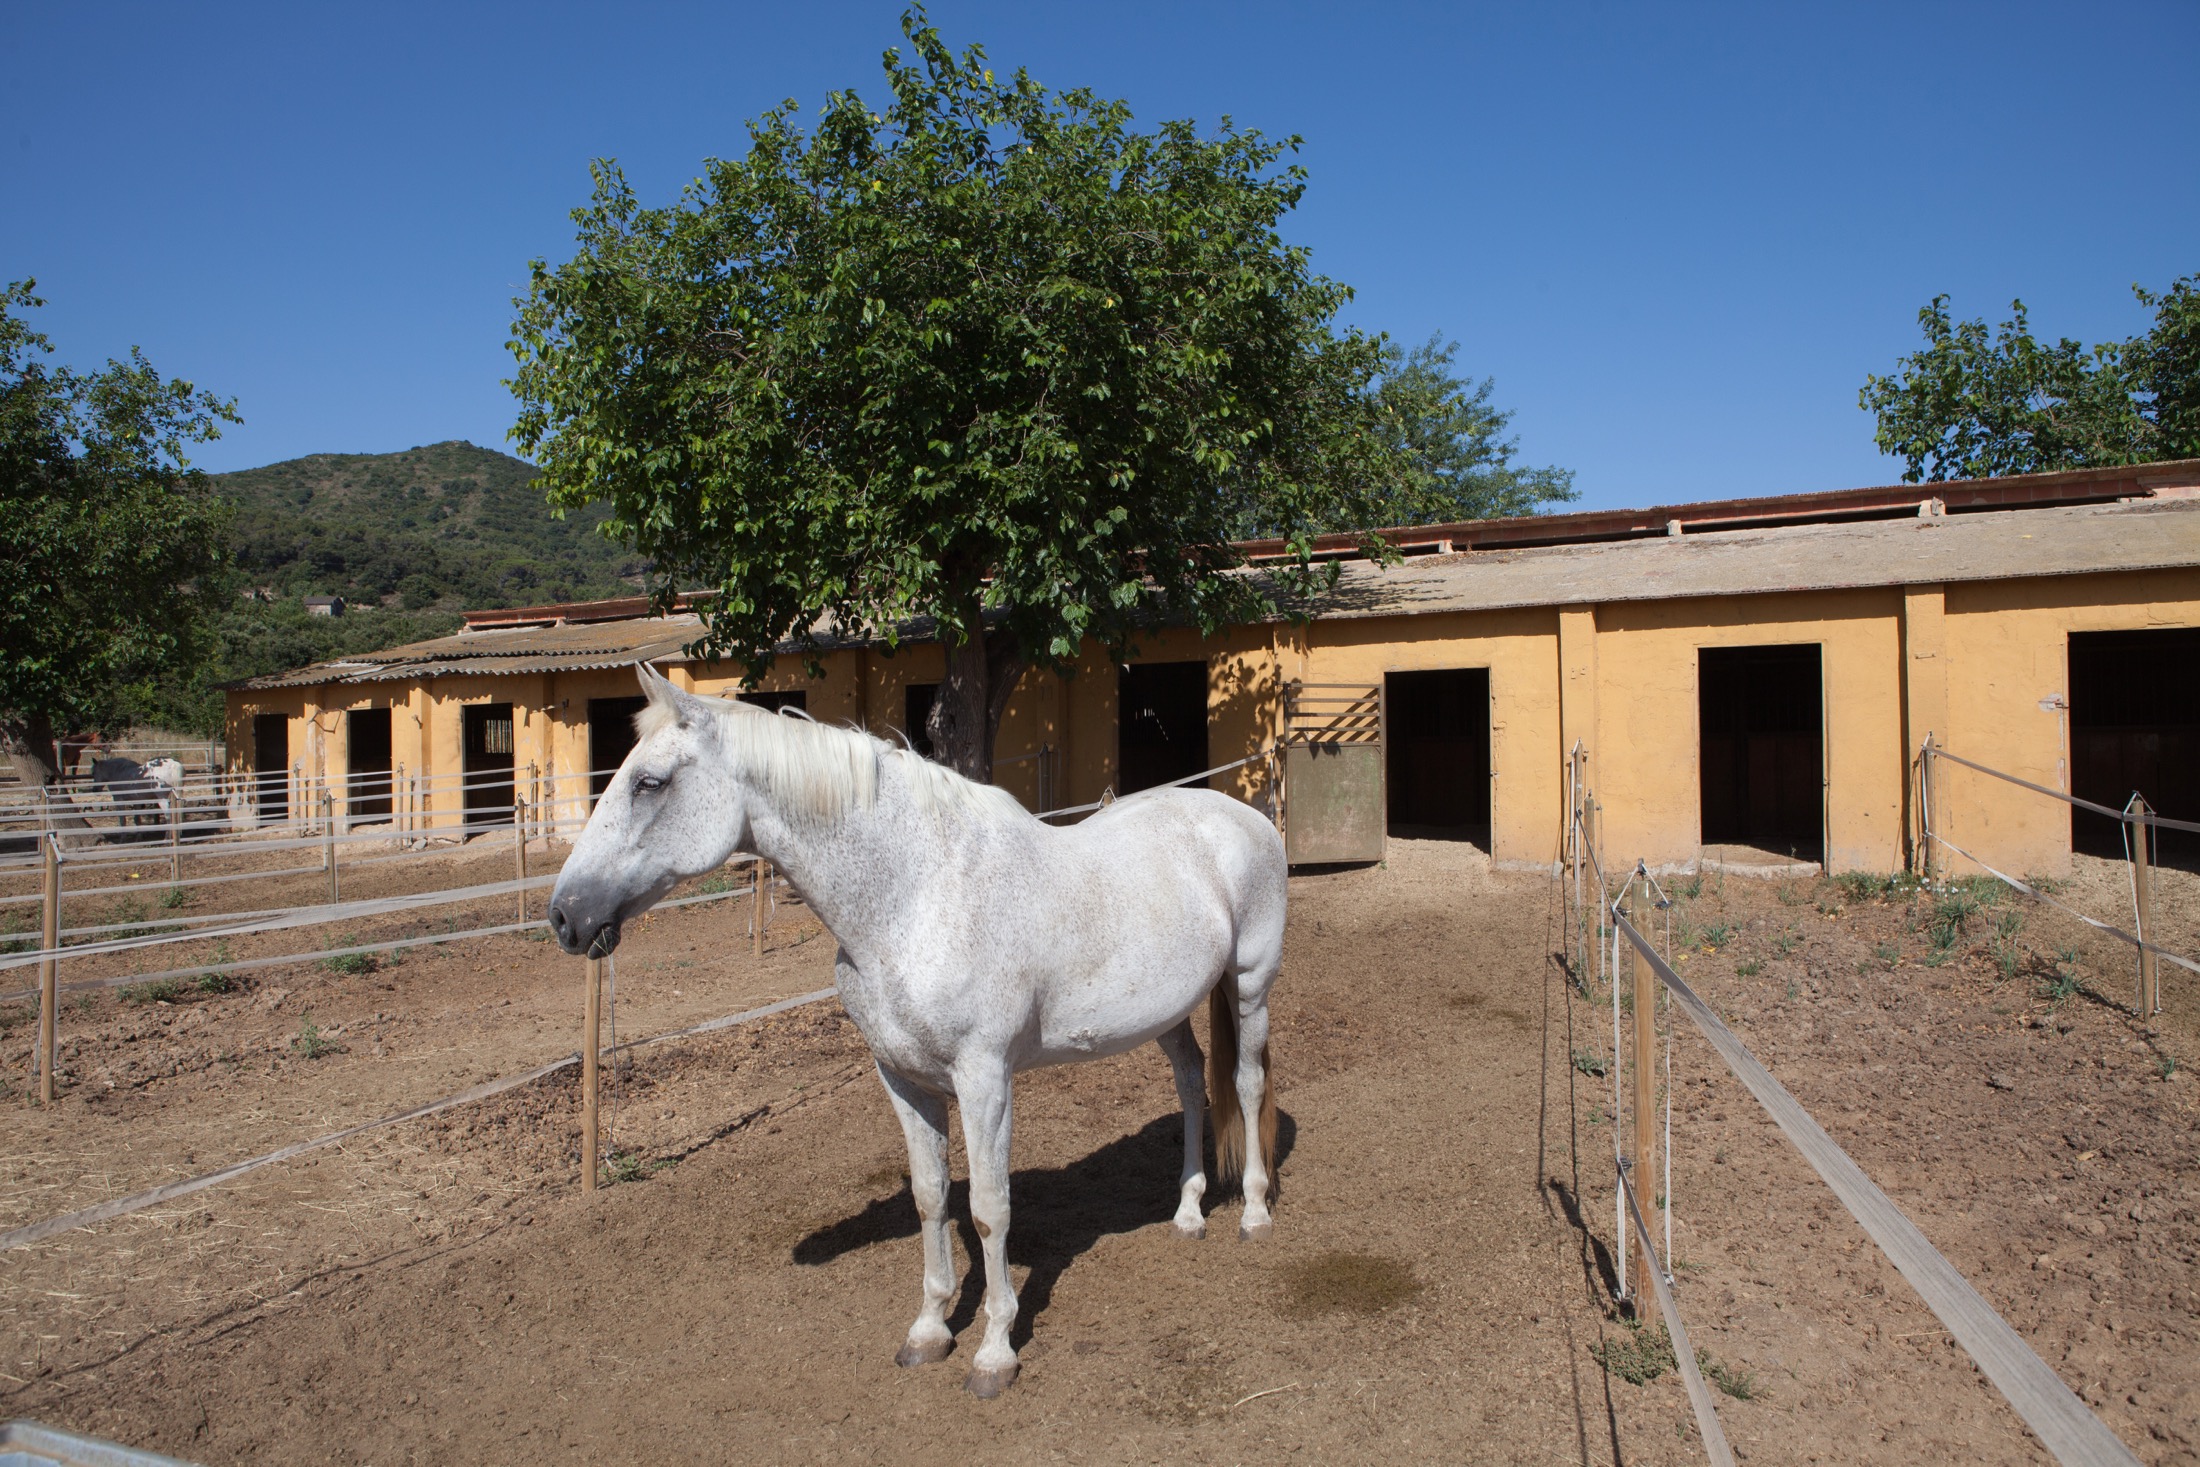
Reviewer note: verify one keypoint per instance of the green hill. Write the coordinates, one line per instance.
(447, 526)
(407, 539)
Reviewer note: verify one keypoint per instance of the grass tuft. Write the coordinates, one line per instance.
(1732, 1379)
(311, 1043)
(630, 1166)
(1639, 1356)
(352, 965)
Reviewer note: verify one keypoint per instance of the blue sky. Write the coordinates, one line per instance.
(1678, 237)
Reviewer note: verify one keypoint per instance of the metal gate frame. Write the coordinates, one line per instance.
(1334, 780)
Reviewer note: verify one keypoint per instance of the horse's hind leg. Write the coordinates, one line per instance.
(1256, 1224)
(1185, 1060)
(924, 1123)
(983, 1092)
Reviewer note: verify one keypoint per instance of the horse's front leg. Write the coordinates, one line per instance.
(1185, 1060)
(983, 1094)
(924, 1123)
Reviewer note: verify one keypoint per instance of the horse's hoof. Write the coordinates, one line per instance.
(986, 1384)
(912, 1353)
(1258, 1233)
(1193, 1233)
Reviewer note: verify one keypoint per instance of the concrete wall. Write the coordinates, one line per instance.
(1983, 666)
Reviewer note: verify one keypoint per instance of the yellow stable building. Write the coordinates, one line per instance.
(1740, 681)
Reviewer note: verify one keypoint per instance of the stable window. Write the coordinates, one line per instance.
(367, 764)
(1761, 716)
(271, 765)
(1438, 753)
(2135, 728)
(488, 772)
(610, 739)
(1161, 730)
(798, 700)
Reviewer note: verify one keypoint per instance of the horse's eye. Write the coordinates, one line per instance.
(648, 782)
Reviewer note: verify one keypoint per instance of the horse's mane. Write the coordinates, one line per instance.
(815, 769)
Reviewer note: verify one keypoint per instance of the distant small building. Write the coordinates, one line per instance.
(324, 606)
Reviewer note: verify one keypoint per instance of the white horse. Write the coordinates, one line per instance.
(975, 941)
(167, 778)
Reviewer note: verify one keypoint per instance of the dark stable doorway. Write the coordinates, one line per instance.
(799, 700)
(271, 764)
(610, 740)
(916, 715)
(1161, 733)
(367, 763)
(488, 780)
(1437, 753)
(2135, 727)
(1761, 712)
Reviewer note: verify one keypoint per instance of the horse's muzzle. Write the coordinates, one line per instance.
(581, 933)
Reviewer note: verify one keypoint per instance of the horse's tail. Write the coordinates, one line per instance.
(1222, 1095)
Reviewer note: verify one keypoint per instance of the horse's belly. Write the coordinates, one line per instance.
(1109, 1019)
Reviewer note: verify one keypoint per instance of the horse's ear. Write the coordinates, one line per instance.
(664, 699)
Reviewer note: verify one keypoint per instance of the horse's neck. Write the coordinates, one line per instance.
(860, 873)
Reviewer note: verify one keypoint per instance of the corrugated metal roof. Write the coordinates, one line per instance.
(2139, 535)
(2130, 536)
(505, 650)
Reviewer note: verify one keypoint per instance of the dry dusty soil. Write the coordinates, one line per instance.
(1439, 1285)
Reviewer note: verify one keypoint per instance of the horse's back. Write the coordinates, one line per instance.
(1196, 840)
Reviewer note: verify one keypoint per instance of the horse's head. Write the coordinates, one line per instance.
(675, 809)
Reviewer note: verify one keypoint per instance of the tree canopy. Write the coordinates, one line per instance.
(1974, 404)
(113, 556)
(1447, 440)
(988, 356)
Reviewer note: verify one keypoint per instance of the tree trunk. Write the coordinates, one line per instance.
(28, 743)
(966, 715)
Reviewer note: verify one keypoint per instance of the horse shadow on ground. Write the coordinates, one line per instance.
(1056, 1214)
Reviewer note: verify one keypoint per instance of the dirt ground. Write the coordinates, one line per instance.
(1438, 1288)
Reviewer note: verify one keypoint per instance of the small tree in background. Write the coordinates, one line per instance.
(988, 357)
(113, 553)
(1974, 405)
(1447, 436)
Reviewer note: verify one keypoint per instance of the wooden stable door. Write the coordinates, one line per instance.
(488, 778)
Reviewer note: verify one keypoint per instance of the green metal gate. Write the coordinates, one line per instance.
(1333, 772)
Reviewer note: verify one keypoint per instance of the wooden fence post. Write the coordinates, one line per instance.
(591, 1028)
(756, 911)
(328, 843)
(1646, 1134)
(175, 835)
(2142, 887)
(519, 852)
(1928, 805)
(49, 938)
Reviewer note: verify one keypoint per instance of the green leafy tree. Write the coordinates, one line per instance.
(1449, 438)
(113, 554)
(988, 357)
(1975, 404)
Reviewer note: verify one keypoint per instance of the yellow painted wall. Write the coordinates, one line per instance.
(1644, 764)
(291, 703)
(2007, 695)
(1520, 649)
